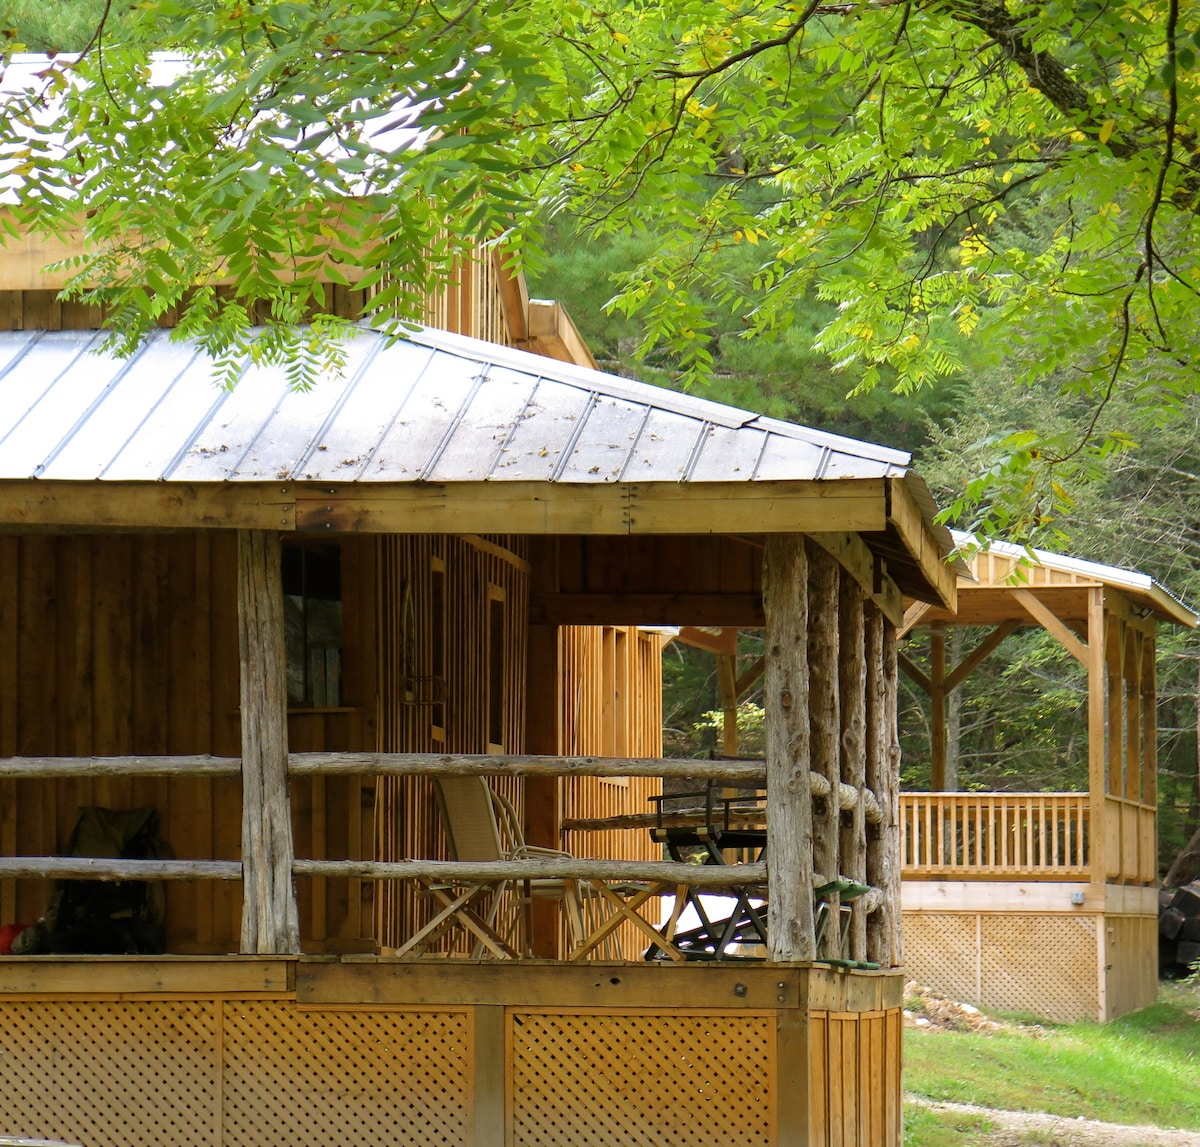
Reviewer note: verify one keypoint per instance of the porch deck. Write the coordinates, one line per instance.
(295, 1051)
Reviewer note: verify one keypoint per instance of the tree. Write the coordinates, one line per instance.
(883, 155)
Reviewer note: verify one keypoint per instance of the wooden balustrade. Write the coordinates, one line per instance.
(988, 835)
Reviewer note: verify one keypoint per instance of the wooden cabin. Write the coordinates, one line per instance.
(1043, 902)
(172, 563)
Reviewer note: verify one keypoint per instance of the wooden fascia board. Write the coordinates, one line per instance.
(39, 504)
(732, 610)
(514, 297)
(650, 508)
(723, 641)
(447, 508)
(553, 333)
(905, 517)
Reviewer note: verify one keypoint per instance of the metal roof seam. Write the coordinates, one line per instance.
(41, 397)
(427, 467)
(702, 436)
(568, 450)
(223, 394)
(34, 338)
(93, 406)
(416, 381)
(762, 451)
(512, 430)
(347, 390)
(634, 444)
(823, 463)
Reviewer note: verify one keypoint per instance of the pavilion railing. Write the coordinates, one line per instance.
(987, 835)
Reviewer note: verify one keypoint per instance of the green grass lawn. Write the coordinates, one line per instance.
(1141, 1069)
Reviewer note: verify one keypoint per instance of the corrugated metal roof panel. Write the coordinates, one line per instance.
(434, 407)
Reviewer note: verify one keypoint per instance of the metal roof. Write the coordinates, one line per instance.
(1142, 586)
(430, 407)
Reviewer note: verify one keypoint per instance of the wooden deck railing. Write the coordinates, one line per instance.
(965, 836)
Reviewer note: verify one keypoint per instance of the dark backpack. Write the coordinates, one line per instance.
(102, 917)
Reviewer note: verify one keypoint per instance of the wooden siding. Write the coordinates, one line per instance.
(127, 644)
(610, 703)
(426, 711)
(472, 304)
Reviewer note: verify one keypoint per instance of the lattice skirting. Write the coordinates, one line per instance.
(1049, 965)
(269, 1073)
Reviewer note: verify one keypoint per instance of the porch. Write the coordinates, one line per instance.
(1042, 902)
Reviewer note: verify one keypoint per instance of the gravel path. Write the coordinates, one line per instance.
(1060, 1131)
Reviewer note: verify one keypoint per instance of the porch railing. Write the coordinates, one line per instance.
(986, 835)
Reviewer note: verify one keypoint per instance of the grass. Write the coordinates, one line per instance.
(1140, 1069)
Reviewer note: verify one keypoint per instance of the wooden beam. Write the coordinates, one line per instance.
(751, 675)
(912, 616)
(543, 795)
(573, 868)
(905, 516)
(789, 787)
(975, 658)
(866, 568)
(1041, 613)
(852, 695)
(727, 683)
(1097, 752)
(913, 672)
(937, 709)
(723, 640)
(184, 766)
(104, 869)
(735, 610)
(527, 507)
(270, 922)
(148, 505)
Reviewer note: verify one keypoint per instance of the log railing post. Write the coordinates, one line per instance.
(789, 785)
(270, 921)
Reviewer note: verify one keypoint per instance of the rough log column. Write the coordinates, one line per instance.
(825, 722)
(852, 690)
(883, 778)
(270, 923)
(789, 786)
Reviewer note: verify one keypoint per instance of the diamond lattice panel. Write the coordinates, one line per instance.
(939, 952)
(640, 1080)
(1041, 964)
(109, 1073)
(320, 1078)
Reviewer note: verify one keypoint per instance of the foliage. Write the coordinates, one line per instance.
(1139, 1069)
(750, 724)
(882, 158)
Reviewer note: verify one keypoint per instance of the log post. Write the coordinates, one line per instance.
(852, 690)
(888, 795)
(879, 924)
(270, 922)
(789, 789)
(825, 725)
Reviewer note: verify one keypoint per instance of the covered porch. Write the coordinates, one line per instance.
(1043, 902)
(144, 611)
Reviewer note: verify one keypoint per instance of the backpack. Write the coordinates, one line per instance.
(107, 917)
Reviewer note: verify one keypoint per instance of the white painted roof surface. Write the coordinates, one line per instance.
(432, 407)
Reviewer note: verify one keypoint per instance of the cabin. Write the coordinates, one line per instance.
(282, 619)
(1042, 902)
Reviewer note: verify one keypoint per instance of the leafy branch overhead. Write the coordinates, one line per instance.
(899, 160)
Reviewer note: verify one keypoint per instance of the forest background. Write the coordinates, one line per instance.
(1125, 487)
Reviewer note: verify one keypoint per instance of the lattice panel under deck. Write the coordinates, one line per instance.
(1047, 965)
(108, 1073)
(322, 1079)
(940, 953)
(640, 1080)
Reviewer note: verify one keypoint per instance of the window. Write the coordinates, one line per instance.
(312, 619)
